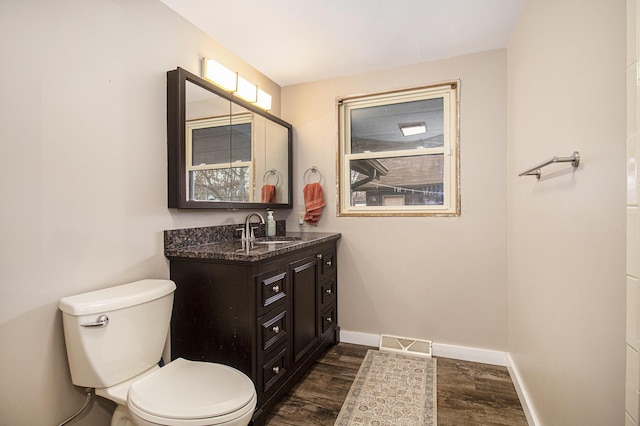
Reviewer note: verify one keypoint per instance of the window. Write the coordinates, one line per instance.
(219, 158)
(399, 153)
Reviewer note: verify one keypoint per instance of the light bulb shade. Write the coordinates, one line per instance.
(229, 80)
(246, 90)
(264, 100)
(219, 74)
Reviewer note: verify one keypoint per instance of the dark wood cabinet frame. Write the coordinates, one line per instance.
(176, 148)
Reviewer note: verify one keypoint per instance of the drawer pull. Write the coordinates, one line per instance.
(276, 289)
(276, 369)
(276, 329)
(328, 291)
(328, 319)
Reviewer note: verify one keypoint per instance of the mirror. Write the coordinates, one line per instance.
(223, 152)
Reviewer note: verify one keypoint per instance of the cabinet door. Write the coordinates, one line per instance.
(274, 370)
(304, 278)
(272, 289)
(327, 294)
(328, 265)
(272, 330)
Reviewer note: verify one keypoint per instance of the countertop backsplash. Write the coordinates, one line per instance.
(180, 238)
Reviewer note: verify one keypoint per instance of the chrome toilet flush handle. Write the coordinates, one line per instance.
(100, 322)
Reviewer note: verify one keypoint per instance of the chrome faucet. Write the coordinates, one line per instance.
(249, 234)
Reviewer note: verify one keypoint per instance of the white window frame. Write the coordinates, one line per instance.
(449, 91)
(204, 123)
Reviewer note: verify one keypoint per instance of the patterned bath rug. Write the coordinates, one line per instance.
(391, 389)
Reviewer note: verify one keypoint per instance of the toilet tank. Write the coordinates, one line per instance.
(130, 342)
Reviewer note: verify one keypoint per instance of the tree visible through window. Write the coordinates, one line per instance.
(399, 153)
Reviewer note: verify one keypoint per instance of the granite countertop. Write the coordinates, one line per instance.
(191, 247)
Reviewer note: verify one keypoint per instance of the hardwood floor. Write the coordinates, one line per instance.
(468, 393)
(472, 394)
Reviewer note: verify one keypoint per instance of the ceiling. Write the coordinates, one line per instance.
(298, 41)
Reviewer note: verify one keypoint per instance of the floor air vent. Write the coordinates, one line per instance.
(406, 345)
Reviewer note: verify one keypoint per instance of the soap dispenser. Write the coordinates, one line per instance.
(271, 224)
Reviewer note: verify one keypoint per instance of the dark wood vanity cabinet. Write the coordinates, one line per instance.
(270, 319)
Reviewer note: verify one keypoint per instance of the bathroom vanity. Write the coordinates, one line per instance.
(267, 308)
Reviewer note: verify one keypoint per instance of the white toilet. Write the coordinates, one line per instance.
(115, 338)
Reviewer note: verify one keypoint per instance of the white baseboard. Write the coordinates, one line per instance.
(523, 395)
(465, 353)
(446, 351)
(357, 338)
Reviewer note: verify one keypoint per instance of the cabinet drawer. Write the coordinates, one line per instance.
(273, 329)
(327, 291)
(327, 263)
(328, 319)
(275, 369)
(273, 288)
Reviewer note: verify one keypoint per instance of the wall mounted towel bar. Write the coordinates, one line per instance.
(308, 175)
(269, 174)
(535, 170)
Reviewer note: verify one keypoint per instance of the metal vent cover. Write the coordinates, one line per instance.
(406, 345)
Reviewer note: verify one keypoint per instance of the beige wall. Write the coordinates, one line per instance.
(82, 175)
(566, 65)
(429, 277)
(83, 189)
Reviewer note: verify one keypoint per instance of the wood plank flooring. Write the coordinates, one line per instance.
(468, 393)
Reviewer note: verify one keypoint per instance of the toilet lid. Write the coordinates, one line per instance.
(191, 390)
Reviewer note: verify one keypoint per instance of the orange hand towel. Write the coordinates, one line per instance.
(268, 193)
(313, 202)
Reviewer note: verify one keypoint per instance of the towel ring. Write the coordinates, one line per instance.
(268, 174)
(309, 172)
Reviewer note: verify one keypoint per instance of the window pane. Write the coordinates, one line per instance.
(229, 184)
(398, 181)
(399, 152)
(400, 126)
(211, 145)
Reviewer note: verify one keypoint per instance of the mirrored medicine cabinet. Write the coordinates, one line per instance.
(223, 152)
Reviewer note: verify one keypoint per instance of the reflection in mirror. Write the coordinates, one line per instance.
(218, 148)
(272, 145)
(231, 151)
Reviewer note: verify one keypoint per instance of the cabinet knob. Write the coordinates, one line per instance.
(329, 319)
(328, 263)
(276, 329)
(276, 369)
(319, 256)
(276, 289)
(328, 291)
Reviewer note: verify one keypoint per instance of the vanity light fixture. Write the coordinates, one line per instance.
(230, 81)
(219, 74)
(264, 100)
(410, 129)
(246, 90)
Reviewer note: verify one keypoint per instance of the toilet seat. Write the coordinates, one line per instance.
(192, 393)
